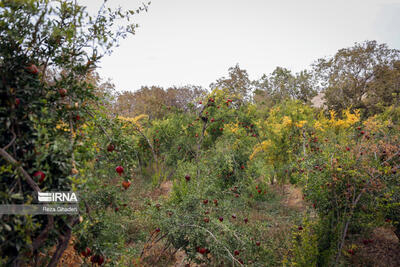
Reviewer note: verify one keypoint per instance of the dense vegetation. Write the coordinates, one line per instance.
(231, 153)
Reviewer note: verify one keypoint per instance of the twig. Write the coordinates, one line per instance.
(353, 206)
(12, 140)
(45, 68)
(43, 235)
(63, 243)
(160, 238)
(148, 240)
(15, 163)
(148, 142)
(101, 126)
(87, 208)
(200, 142)
(72, 138)
(166, 246)
(304, 143)
(389, 159)
(34, 35)
(216, 240)
(346, 228)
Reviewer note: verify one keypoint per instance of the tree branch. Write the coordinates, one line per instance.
(43, 235)
(216, 240)
(12, 140)
(34, 35)
(15, 163)
(101, 126)
(147, 140)
(63, 242)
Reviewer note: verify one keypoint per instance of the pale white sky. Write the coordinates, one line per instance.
(195, 41)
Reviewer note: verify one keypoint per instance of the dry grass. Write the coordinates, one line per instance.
(163, 190)
(157, 254)
(70, 257)
(383, 251)
(293, 198)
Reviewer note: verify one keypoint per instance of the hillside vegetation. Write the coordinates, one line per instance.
(243, 173)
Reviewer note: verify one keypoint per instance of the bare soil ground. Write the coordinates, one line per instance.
(384, 250)
(293, 197)
(163, 190)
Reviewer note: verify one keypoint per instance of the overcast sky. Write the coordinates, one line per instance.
(183, 42)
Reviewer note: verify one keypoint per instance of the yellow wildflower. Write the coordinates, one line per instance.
(286, 121)
(300, 124)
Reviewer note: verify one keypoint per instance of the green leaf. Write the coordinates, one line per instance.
(7, 227)
(17, 196)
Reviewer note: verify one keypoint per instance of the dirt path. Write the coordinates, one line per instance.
(384, 250)
(180, 257)
(293, 197)
(164, 190)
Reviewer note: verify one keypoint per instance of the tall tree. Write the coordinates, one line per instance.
(384, 88)
(182, 97)
(349, 78)
(282, 85)
(304, 86)
(154, 100)
(238, 84)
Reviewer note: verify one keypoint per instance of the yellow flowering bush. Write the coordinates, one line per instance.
(136, 120)
(282, 134)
